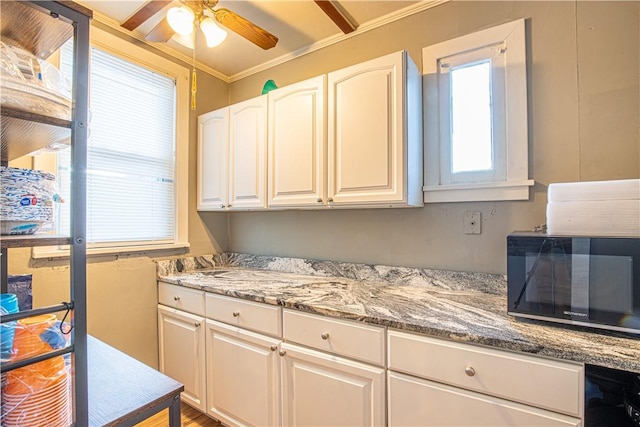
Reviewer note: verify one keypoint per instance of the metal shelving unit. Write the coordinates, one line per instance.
(41, 27)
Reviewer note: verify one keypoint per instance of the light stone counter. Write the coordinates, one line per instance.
(469, 307)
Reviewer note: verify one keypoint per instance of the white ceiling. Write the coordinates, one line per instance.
(300, 25)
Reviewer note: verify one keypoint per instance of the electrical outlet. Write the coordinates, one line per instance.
(472, 223)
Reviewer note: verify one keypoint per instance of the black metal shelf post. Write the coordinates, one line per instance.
(50, 22)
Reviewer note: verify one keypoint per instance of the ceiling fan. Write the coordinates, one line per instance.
(182, 20)
(203, 13)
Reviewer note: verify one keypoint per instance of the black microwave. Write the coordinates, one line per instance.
(587, 281)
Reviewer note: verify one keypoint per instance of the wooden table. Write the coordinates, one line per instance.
(124, 391)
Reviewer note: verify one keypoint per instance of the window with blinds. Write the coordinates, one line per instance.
(131, 154)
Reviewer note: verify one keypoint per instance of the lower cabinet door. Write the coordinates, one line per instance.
(243, 376)
(320, 389)
(181, 341)
(417, 402)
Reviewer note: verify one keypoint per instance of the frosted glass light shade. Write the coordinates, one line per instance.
(186, 41)
(212, 32)
(181, 19)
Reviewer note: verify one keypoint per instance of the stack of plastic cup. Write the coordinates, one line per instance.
(37, 394)
(9, 305)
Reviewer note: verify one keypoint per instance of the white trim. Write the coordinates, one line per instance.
(162, 47)
(138, 55)
(480, 192)
(57, 252)
(367, 26)
(516, 185)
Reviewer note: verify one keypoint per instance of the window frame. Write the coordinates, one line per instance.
(127, 51)
(513, 182)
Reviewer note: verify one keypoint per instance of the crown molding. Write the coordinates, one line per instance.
(367, 26)
(115, 25)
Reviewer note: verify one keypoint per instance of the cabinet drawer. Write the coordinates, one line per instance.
(417, 402)
(350, 339)
(548, 384)
(246, 314)
(186, 299)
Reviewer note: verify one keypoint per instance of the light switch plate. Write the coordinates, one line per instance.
(472, 223)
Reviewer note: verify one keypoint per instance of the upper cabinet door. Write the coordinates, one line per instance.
(213, 136)
(297, 145)
(374, 133)
(247, 154)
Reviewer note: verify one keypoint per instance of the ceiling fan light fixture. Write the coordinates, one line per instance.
(181, 19)
(213, 34)
(186, 41)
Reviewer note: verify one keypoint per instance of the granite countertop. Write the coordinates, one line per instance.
(467, 307)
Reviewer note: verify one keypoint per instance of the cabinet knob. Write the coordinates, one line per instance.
(330, 200)
(236, 313)
(273, 347)
(324, 335)
(229, 205)
(222, 206)
(470, 371)
(319, 200)
(176, 298)
(197, 324)
(282, 352)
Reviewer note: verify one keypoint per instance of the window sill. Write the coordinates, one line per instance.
(55, 253)
(481, 192)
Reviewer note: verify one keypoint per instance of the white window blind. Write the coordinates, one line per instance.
(131, 154)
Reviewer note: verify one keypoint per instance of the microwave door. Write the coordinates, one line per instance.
(580, 281)
(547, 289)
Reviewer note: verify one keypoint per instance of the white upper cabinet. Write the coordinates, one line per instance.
(297, 158)
(213, 181)
(352, 138)
(375, 133)
(247, 154)
(232, 150)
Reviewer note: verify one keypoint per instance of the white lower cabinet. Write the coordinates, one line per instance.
(182, 350)
(437, 382)
(320, 389)
(261, 365)
(243, 376)
(418, 402)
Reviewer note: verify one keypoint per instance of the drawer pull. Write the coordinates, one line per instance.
(282, 352)
(236, 313)
(176, 298)
(470, 371)
(197, 324)
(324, 335)
(273, 347)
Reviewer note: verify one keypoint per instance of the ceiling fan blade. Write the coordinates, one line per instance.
(149, 9)
(337, 16)
(246, 29)
(161, 32)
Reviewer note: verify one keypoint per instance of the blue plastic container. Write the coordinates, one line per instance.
(9, 305)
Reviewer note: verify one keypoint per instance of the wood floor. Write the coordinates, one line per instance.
(190, 418)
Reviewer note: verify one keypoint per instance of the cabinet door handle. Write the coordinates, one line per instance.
(470, 371)
(197, 324)
(222, 206)
(330, 200)
(319, 200)
(176, 298)
(273, 347)
(282, 352)
(236, 313)
(324, 335)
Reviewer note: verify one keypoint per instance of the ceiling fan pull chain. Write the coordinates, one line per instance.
(194, 88)
(194, 84)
